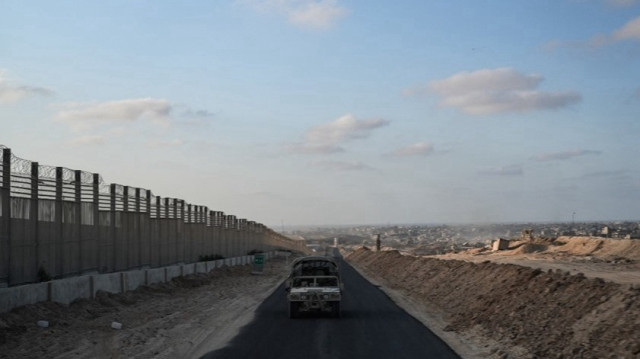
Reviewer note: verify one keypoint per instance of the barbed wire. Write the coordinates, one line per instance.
(20, 165)
(22, 168)
(86, 177)
(45, 171)
(68, 175)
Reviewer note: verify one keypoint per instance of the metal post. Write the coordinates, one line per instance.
(78, 217)
(112, 224)
(124, 231)
(157, 235)
(146, 245)
(179, 227)
(168, 235)
(33, 215)
(138, 228)
(95, 252)
(58, 220)
(5, 225)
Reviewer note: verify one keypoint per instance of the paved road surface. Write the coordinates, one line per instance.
(371, 327)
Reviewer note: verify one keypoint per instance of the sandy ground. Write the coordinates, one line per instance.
(565, 298)
(616, 260)
(185, 318)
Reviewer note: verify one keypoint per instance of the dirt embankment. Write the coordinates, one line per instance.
(615, 260)
(525, 312)
(185, 318)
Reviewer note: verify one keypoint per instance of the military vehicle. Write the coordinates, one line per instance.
(314, 286)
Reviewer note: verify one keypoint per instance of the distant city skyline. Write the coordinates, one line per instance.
(330, 112)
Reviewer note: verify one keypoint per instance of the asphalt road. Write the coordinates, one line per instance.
(371, 326)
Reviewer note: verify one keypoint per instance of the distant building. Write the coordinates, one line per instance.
(500, 244)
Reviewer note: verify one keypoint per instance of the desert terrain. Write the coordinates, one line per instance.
(570, 297)
(184, 318)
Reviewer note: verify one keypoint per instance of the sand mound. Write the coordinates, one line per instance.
(599, 247)
(526, 248)
(551, 314)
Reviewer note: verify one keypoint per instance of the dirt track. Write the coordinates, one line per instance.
(182, 319)
(513, 311)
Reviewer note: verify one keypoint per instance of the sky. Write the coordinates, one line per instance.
(330, 112)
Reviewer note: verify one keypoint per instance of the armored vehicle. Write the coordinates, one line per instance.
(314, 286)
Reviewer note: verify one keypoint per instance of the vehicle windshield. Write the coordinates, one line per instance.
(315, 282)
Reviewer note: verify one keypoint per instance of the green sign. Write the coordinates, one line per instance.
(258, 263)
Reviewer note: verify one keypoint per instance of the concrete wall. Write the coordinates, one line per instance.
(135, 278)
(155, 275)
(67, 290)
(67, 223)
(111, 282)
(22, 295)
(188, 269)
(202, 267)
(172, 272)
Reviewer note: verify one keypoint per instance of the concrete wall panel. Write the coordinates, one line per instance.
(172, 272)
(110, 282)
(70, 289)
(155, 275)
(22, 295)
(67, 290)
(89, 247)
(188, 269)
(134, 279)
(201, 267)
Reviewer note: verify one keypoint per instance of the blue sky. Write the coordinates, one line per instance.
(328, 112)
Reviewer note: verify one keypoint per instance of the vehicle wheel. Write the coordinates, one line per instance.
(336, 309)
(293, 310)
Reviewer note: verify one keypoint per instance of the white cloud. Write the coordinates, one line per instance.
(342, 166)
(565, 155)
(621, 3)
(344, 128)
(313, 14)
(416, 149)
(513, 170)
(621, 173)
(13, 93)
(82, 116)
(166, 143)
(310, 148)
(88, 140)
(630, 31)
(317, 15)
(198, 114)
(328, 137)
(501, 90)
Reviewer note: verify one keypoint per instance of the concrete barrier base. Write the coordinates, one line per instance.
(67, 290)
